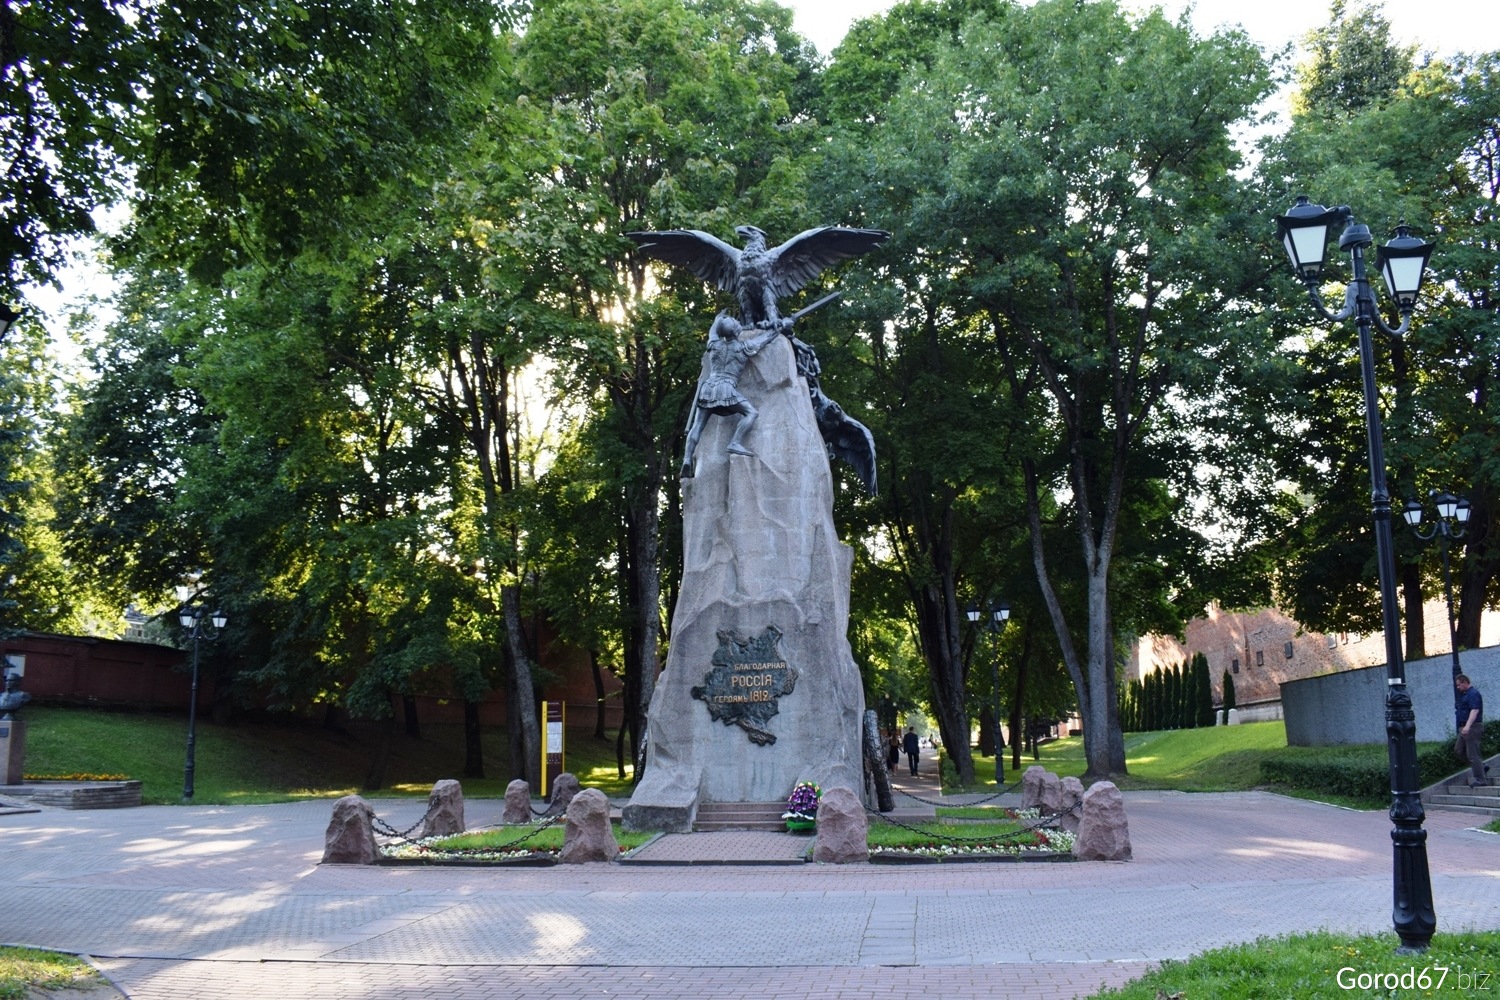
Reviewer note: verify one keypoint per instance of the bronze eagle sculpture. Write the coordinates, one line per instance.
(758, 276)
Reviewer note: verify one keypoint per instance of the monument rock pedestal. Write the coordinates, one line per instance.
(12, 751)
(760, 689)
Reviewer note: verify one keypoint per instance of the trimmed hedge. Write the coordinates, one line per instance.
(1364, 771)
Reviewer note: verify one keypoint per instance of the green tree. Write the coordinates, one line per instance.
(1421, 149)
(656, 115)
(12, 490)
(228, 120)
(1351, 62)
(1089, 217)
(1203, 694)
(258, 413)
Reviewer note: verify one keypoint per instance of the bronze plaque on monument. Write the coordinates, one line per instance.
(747, 678)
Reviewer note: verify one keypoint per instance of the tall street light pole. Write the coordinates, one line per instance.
(1453, 517)
(1304, 231)
(192, 618)
(999, 618)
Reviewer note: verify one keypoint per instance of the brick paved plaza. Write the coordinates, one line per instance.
(207, 902)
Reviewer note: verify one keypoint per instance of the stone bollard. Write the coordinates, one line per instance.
(1103, 834)
(587, 835)
(564, 787)
(1072, 804)
(843, 832)
(517, 803)
(445, 810)
(350, 839)
(1051, 794)
(1031, 786)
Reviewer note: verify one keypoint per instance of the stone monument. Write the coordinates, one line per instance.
(760, 689)
(12, 730)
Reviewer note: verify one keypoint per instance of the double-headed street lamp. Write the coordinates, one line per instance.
(1453, 517)
(999, 617)
(1402, 261)
(192, 618)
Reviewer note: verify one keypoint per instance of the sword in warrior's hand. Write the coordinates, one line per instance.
(816, 305)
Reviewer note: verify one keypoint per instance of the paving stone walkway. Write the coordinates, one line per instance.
(210, 902)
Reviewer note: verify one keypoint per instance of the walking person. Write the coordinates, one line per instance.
(913, 748)
(893, 752)
(1469, 720)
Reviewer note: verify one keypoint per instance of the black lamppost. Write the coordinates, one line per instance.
(999, 617)
(1402, 261)
(1453, 517)
(192, 619)
(8, 317)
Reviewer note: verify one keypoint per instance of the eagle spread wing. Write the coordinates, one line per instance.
(803, 257)
(707, 256)
(756, 275)
(847, 439)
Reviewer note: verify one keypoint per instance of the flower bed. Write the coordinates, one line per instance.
(1019, 838)
(528, 845)
(1033, 845)
(433, 851)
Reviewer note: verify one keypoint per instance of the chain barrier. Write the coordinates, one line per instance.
(524, 837)
(988, 798)
(1049, 820)
(383, 828)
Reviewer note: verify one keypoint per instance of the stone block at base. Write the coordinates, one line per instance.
(587, 835)
(350, 838)
(637, 818)
(1103, 832)
(12, 751)
(77, 794)
(445, 810)
(843, 831)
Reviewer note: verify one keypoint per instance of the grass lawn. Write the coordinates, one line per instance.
(47, 970)
(253, 762)
(1220, 759)
(1217, 759)
(278, 761)
(496, 843)
(1325, 967)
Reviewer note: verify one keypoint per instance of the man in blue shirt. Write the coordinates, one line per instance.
(1469, 720)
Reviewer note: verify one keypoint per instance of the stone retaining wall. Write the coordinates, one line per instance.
(77, 794)
(1349, 706)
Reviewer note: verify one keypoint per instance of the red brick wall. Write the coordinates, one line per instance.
(1259, 640)
(570, 680)
(79, 670)
(115, 672)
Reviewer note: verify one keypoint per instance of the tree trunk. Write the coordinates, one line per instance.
(599, 733)
(409, 711)
(938, 633)
(473, 747)
(1018, 714)
(1096, 745)
(1416, 627)
(1477, 571)
(525, 701)
(620, 751)
(647, 609)
(375, 776)
(987, 726)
